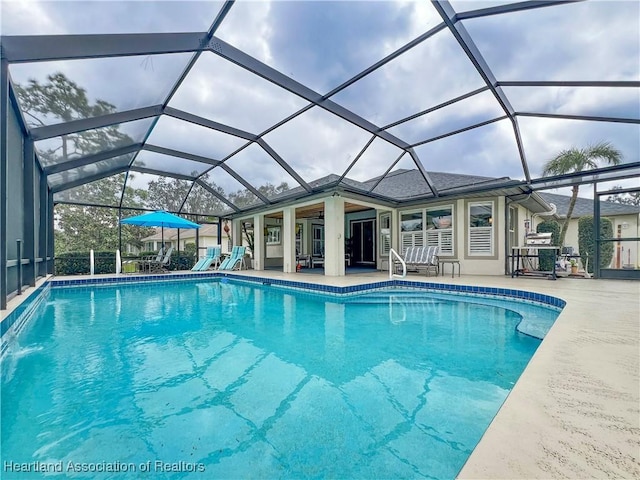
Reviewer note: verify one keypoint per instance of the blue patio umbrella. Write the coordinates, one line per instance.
(160, 219)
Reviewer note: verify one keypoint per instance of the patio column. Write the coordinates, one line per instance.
(258, 242)
(395, 232)
(288, 238)
(236, 232)
(334, 236)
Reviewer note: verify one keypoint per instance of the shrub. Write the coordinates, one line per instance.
(587, 243)
(185, 262)
(547, 258)
(78, 263)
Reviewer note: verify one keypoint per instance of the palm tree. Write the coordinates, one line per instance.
(578, 160)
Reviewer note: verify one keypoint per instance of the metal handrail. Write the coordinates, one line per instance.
(392, 252)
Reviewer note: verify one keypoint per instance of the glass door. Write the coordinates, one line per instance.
(317, 243)
(363, 241)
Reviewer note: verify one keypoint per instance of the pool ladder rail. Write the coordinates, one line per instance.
(393, 253)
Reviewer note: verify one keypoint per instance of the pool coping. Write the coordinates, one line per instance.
(340, 290)
(14, 322)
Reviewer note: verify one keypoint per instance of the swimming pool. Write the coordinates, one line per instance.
(220, 379)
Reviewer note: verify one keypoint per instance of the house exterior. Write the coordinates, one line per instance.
(341, 222)
(346, 224)
(207, 237)
(625, 219)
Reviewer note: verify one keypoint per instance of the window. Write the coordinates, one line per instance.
(385, 234)
(440, 228)
(273, 235)
(299, 229)
(513, 223)
(481, 228)
(437, 230)
(318, 241)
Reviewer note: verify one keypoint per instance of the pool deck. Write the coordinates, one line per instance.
(575, 411)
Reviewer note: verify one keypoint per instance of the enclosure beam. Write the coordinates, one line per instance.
(4, 159)
(238, 57)
(29, 214)
(47, 48)
(204, 122)
(50, 229)
(246, 184)
(590, 118)
(437, 107)
(75, 126)
(180, 154)
(162, 173)
(460, 130)
(217, 195)
(465, 41)
(596, 231)
(569, 83)
(90, 159)
(616, 172)
(272, 153)
(42, 230)
(510, 7)
(90, 178)
(422, 170)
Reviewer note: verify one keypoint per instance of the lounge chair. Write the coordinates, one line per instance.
(158, 267)
(236, 259)
(212, 257)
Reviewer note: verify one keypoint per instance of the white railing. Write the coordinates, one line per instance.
(393, 253)
(91, 262)
(118, 262)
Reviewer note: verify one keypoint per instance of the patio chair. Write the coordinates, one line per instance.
(212, 257)
(159, 267)
(422, 256)
(236, 259)
(133, 266)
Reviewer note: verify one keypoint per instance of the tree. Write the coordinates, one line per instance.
(202, 201)
(61, 100)
(629, 198)
(79, 227)
(587, 242)
(245, 198)
(578, 160)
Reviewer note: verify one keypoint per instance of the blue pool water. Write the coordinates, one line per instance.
(223, 380)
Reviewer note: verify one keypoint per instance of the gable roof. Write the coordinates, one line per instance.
(584, 206)
(408, 185)
(405, 184)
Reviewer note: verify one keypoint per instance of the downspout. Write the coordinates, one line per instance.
(507, 202)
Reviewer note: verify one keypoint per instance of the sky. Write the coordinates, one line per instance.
(324, 44)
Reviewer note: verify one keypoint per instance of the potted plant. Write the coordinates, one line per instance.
(574, 266)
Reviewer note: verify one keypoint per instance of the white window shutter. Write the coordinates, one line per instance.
(481, 241)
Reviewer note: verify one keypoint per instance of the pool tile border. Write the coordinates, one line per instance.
(331, 289)
(15, 321)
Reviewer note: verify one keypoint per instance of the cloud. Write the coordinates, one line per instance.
(323, 44)
(579, 41)
(223, 92)
(28, 17)
(190, 138)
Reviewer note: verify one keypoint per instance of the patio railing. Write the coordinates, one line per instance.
(392, 263)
